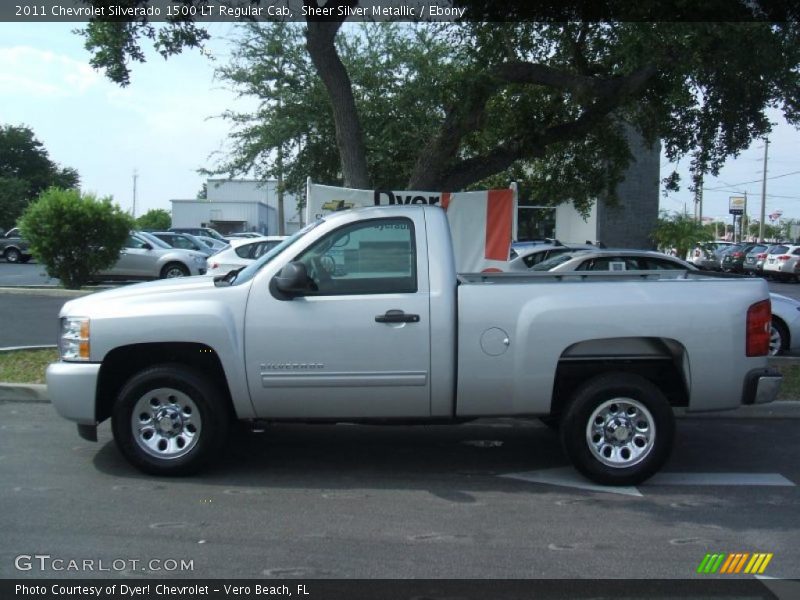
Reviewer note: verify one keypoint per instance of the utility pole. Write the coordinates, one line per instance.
(763, 193)
(135, 177)
(742, 226)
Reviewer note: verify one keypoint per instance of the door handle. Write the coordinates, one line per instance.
(396, 316)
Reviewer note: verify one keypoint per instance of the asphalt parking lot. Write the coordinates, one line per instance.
(489, 499)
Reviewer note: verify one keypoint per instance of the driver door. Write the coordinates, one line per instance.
(357, 344)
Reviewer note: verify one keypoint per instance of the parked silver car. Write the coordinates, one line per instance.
(146, 257)
(183, 241)
(785, 331)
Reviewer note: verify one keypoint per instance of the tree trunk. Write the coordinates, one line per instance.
(349, 135)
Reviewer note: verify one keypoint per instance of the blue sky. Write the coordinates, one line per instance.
(162, 125)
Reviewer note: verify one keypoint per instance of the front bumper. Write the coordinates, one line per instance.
(72, 388)
(761, 386)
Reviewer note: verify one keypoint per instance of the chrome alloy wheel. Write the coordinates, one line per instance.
(166, 423)
(775, 340)
(621, 432)
(174, 271)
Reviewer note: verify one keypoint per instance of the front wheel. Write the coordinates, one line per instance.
(618, 429)
(174, 270)
(170, 420)
(13, 255)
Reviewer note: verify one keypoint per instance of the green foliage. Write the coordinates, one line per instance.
(156, 219)
(457, 105)
(25, 171)
(679, 231)
(771, 232)
(398, 85)
(74, 235)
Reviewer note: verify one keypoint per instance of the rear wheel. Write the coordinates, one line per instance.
(12, 255)
(170, 420)
(618, 429)
(778, 338)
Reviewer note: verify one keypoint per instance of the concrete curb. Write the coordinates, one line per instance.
(20, 348)
(23, 392)
(47, 291)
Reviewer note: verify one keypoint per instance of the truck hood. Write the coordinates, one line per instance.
(175, 289)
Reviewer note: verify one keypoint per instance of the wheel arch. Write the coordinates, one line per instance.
(120, 364)
(662, 361)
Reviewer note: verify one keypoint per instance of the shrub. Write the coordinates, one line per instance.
(74, 235)
(156, 219)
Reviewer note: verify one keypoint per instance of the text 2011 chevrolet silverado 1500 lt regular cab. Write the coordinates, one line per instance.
(361, 317)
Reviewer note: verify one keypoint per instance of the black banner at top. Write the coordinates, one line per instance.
(78, 11)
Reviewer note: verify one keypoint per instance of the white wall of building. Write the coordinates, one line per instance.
(252, 205)
(571, 227)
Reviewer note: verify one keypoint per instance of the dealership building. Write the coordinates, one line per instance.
(234, 205)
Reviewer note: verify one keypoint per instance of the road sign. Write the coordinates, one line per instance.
(736, 205)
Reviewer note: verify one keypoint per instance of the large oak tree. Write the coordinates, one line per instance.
(547, 100)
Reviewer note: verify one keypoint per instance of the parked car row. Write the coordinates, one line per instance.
(13, 248)
(778, 261)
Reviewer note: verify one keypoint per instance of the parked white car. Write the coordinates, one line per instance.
(783, 262)
(241, 253)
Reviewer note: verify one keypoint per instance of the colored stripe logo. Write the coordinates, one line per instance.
(735, 563)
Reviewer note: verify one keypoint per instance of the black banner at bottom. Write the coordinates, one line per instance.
(390, 589)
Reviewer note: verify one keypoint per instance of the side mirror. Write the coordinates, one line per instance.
(293, 279)
(147, 246)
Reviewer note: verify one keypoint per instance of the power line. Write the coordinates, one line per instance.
(754, 181)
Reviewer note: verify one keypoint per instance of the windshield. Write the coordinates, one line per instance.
(249, 271)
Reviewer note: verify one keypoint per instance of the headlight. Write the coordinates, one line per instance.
(74, 340)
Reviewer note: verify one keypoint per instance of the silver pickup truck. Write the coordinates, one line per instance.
(361, 317)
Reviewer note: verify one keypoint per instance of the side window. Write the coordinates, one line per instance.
(246, 250)
(656, 264)
(370, 257)
(181, 242)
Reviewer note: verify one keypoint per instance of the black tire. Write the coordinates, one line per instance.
(12, 255)
(778, 328)
(207, 415)
(171, 269)
(599, 396)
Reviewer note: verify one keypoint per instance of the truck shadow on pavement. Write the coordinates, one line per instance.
(453, 463)
(441, 459)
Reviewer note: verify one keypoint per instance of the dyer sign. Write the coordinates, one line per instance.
(482, 224)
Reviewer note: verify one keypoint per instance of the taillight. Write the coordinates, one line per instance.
(737, 255)
(761, 256)
(784, 257)
(759, 317)
(213, 265)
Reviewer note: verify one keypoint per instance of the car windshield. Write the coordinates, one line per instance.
(249, 271)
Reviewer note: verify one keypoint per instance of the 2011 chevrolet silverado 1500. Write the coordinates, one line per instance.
(361, 317)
